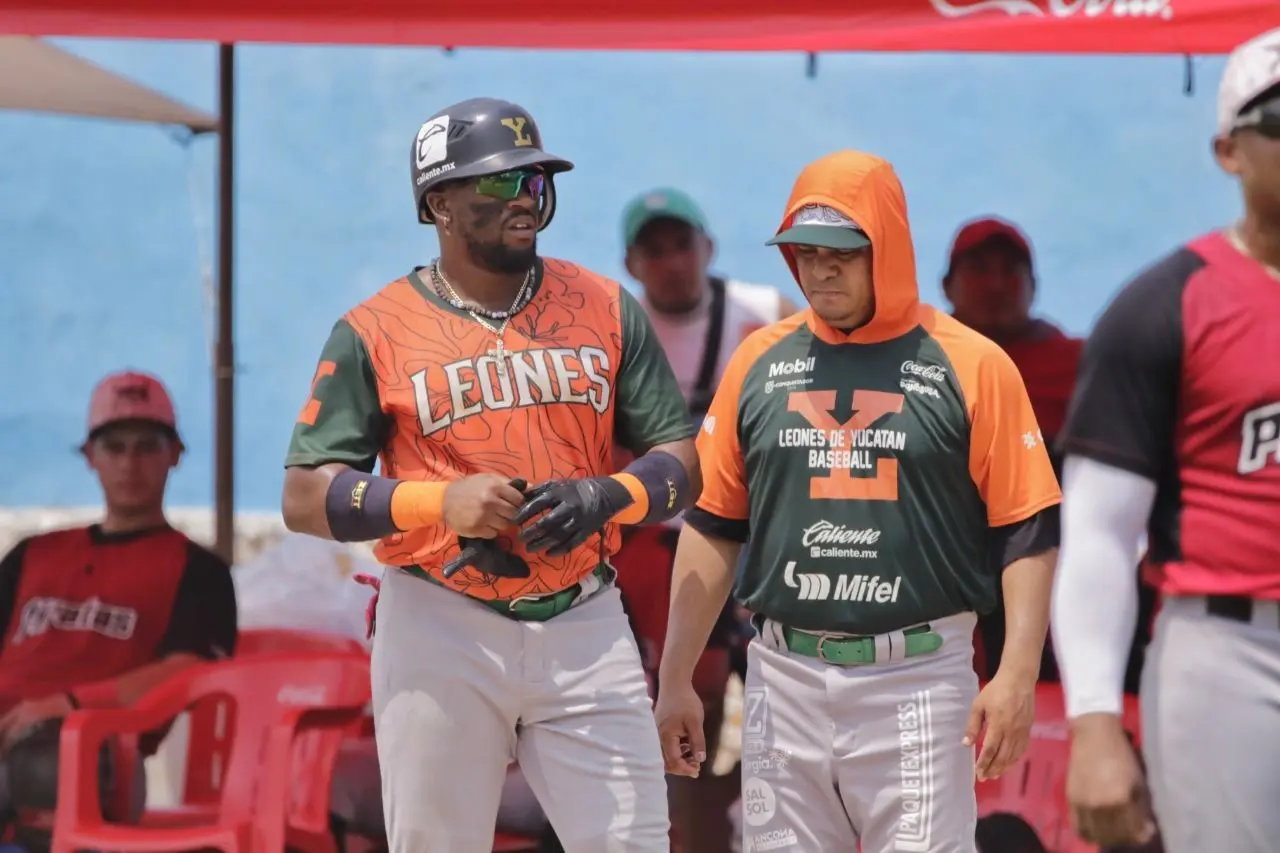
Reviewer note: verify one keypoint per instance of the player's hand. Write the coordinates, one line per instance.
(575, 510)
(1105, 785)
(1005, 708)
(482, 505)
(679, 717)
(24, 716)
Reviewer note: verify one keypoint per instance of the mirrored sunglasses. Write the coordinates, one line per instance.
(509, 185)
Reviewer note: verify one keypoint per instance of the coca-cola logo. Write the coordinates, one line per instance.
(924, 371)
(1058, 8)
(826, 533)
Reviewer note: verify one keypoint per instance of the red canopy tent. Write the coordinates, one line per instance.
(812, 26)
(1047, 26)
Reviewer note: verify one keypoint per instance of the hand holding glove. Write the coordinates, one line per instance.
(575, 511)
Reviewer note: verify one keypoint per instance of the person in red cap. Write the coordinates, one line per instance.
(991, 284)
(94, 617)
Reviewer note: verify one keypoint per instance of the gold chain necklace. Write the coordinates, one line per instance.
(499, 351)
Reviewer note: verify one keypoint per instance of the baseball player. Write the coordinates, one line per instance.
(699, 319)
(886, 464)
(1174, 430)
(490, 385)
(95, 616)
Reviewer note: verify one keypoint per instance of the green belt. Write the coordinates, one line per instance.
(843, 650)
(538, 608)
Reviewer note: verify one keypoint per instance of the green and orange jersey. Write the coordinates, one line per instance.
(409, 381)
(869, 468)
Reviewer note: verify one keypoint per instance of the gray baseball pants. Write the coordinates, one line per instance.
(460, 691)
(834, 755)
(1211, 728)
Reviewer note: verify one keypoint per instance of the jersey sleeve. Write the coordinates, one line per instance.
(204, 619)
(1007, 455)
(10, 575)
(724, 479)
(1124, 410)
(649, 408)
(342, 420)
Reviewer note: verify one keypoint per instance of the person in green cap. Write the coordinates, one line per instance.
(699, 319)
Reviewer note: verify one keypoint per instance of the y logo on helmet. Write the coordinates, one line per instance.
(516, 125)
(433, 142)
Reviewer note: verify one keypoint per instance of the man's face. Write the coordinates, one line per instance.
(496, 216)
(991, 288)
(1253, 155)
(837, 283)
(670, 258)
(133, 462)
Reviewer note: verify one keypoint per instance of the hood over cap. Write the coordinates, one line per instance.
(864, 188)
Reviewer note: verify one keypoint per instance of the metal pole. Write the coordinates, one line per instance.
(224, 350)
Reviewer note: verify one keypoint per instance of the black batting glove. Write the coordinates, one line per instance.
(575, 511)
(487, 557)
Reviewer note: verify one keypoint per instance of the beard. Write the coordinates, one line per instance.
(500, 258)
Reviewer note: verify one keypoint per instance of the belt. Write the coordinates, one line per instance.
(848, 650)
(1237, 608)
(540, 608)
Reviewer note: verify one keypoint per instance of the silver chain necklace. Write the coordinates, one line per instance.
(499, 351)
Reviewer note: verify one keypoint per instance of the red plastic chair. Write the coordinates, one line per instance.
(209, 739)
(263, 640)
(268, 701)
(1035, 787)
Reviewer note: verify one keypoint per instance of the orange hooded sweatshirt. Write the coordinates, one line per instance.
(867, 190)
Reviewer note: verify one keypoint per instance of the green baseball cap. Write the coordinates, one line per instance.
(660, 204)
(820, 225)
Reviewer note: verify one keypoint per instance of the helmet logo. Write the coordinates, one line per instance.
(433, 139)
(516, 126)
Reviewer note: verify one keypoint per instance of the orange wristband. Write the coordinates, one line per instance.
(636, 512)
(417, 504)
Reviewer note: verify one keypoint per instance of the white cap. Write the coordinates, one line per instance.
(1252, 68)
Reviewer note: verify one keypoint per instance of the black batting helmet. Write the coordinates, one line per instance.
(480, 136)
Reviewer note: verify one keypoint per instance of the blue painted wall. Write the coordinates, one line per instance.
(104, 228)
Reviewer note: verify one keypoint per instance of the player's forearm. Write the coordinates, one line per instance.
(339, 503)
(123, 691)
(660, 484)
(700, 584)
(1095, 594)
(1027, 584)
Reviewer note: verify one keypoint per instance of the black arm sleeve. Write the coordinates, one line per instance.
(1123, 412)
(203, 622)
(1035, 535)
(10, 574)
(708, 523)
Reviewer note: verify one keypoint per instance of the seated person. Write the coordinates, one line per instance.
(94, 617)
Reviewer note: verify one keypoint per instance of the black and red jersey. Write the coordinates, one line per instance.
(79, 606)
(1180, 383)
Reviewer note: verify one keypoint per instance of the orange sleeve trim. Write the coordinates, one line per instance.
(416, 504)
(636, 512)
(1014, 516)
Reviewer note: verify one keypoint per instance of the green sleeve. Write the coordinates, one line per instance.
(342, 420)
(649, 407)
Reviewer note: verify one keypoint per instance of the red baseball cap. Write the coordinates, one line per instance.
(131, 396)
(978, 231)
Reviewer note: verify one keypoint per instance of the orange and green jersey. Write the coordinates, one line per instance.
(866, 471)
(409, 381)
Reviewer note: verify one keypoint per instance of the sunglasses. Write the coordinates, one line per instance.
(508, 186)
(1263, 119)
